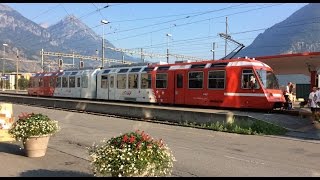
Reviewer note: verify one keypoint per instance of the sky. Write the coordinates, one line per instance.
(193, 26)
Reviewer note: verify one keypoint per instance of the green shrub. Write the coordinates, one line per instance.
(256, 127)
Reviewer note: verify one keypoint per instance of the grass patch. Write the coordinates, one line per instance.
(254, 128)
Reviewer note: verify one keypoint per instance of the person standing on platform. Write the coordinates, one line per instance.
(312, 102)
(288, 96)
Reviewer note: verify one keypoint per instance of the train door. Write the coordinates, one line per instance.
(179, 93)
(112, 87)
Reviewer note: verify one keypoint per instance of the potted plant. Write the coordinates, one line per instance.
(131, 154)
(34, 130)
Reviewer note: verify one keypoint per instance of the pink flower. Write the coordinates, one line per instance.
(125, 138)
(132, 138)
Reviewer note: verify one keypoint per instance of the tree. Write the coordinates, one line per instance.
(23, 83)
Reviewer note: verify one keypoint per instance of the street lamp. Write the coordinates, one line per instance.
(168, 35)
(213, 49)
(103, 23)
(3, 64)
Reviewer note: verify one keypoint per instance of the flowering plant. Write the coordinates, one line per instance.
(131, 154)
(33, 125)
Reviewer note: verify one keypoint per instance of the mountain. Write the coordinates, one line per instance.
(74, 35)
(67, 36)
(298, 33)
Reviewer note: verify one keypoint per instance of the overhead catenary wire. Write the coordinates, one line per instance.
(242, 32)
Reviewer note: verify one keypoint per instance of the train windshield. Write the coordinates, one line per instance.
(268, 79)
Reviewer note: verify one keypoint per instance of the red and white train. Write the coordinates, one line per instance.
(234, 83)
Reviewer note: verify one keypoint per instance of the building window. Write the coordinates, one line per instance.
(133, 81)
(104, 82)
(121, 81)
(145, 81)
(216, 79)
(161, 81)
(72, 82)
(195, 80)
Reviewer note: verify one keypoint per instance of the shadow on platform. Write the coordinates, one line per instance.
(11, 148)
(53, 173)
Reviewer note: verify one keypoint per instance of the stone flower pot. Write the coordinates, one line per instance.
(36, 146)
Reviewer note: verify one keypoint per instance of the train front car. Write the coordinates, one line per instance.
(257, 87)
(269, 82)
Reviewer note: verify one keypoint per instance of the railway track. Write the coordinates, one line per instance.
(170, 115)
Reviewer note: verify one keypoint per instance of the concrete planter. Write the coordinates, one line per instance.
(36, 146)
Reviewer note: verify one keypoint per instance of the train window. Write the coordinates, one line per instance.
(198, 66)
(45, 83)
(123, 70)
(106, 71)
(219, 65)
(195, 80)
(135, 69)
(30, 84)
(268, 79)
(58, 85)
(41, 82)
(216, 80)
(163, 68)
(179, 81)
(72, 82)
(85, 81)
(64, 82)
(78, 82)
(33, 82)
(148, 69)
(121, 81)
(145, 81)
(52, 82)
(248, 80)
(104, 81)
(111, 81)
(133, 81)
(161, 80)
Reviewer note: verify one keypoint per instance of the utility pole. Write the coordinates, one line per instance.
(102, 63)
(142, 56)
(122, 57)
(3, 65)
(41, 59)
(73, 59)
(103, 23)
(17, 66)
(168, 35)
(225, 48)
